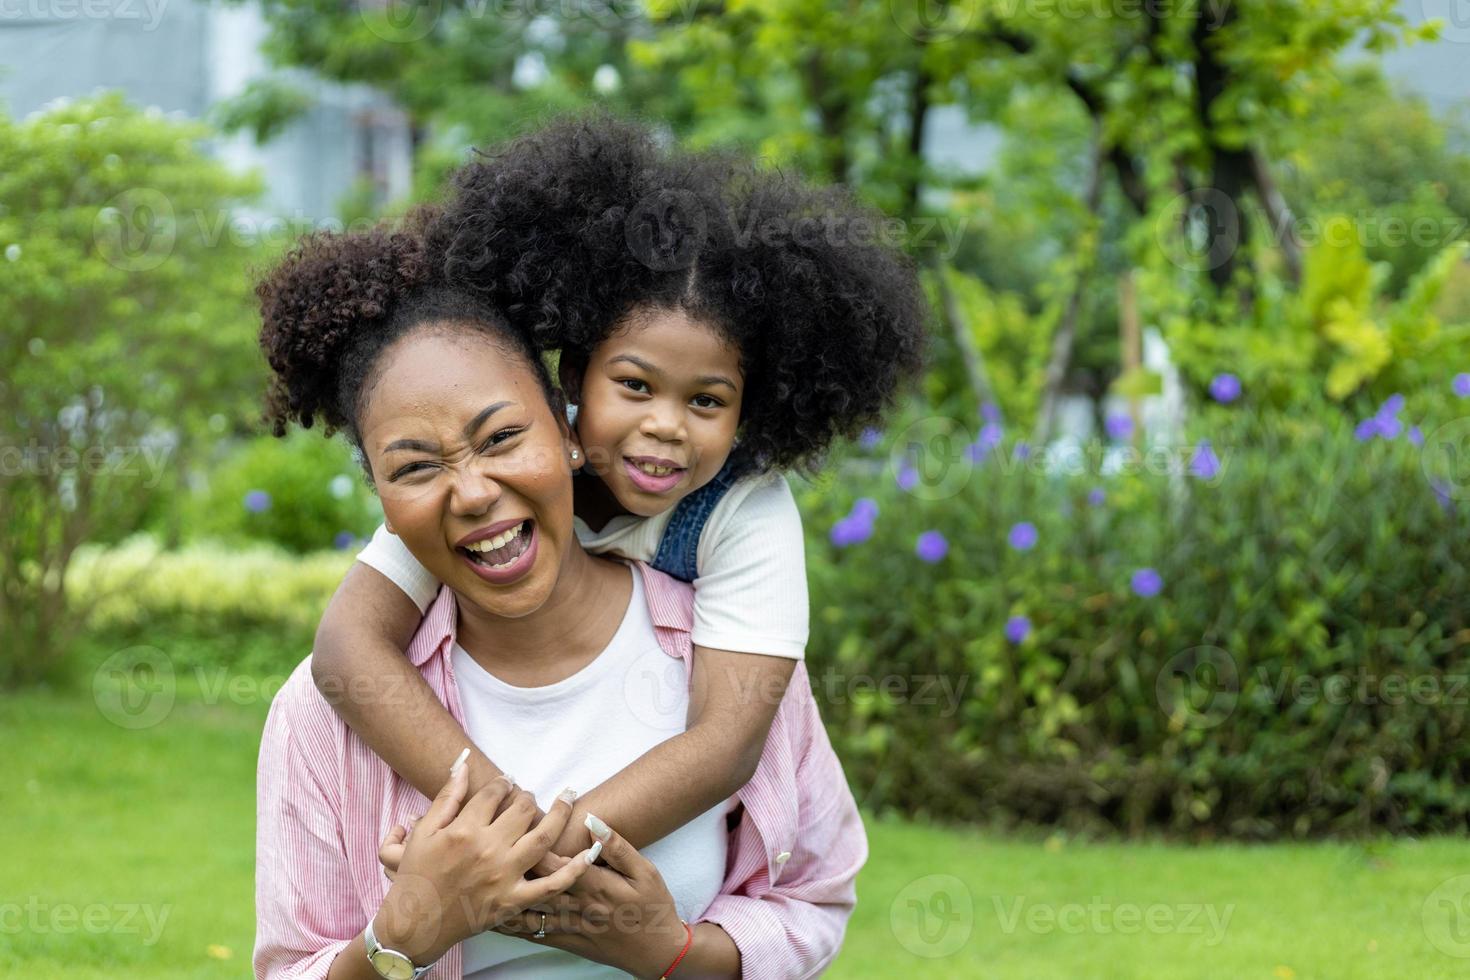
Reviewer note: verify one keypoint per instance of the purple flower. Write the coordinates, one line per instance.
(1096, 497)
(1022, 450)
(343, 540)
(1416, 435)
(931, 546)
(1204, 464)
(870, 438)
(1023, 536)
(1017, 628)
(975, 452)
(1119, 426)
(257, 501)
(1384, 423)
(1461, 384)
(850, 531)
(990, 413)
(1225, 388)
(1146, 582)
(907, 477)
(865, 508)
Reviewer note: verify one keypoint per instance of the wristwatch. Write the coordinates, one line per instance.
(389, 963)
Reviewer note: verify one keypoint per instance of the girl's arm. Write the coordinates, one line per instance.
(358, 665)
(750, 629)
(733, 699)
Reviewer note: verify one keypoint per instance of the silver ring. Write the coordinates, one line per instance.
(540, 933)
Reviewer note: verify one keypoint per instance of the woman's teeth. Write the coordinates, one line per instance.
(503, 549)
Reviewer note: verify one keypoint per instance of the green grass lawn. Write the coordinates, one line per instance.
(129, 853)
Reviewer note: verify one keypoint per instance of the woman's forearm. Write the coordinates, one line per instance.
(714, 955)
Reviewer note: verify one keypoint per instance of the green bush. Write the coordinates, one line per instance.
(1311, 558)
(303, 493)
(248, 609)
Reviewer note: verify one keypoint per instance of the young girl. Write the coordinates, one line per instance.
(715, 326)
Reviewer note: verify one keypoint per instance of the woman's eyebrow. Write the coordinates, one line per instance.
(418, 445)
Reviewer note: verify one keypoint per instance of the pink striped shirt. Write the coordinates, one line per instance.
(325, 802)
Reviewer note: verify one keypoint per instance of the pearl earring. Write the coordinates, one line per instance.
(575, 454)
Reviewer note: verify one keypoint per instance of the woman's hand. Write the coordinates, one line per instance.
(622, 915)
(462, 870)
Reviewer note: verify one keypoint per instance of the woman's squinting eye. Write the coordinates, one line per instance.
(495, 440)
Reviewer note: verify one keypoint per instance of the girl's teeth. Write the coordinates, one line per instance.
(652, 470)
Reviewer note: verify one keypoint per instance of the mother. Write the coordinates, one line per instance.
(364, 332)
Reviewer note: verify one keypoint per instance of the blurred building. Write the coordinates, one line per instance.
(183, 56)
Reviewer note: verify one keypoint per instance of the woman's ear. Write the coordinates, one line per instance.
(573, 444)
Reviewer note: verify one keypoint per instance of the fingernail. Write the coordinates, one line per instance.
(599, 830)
(567, 795)
(593, 851)
(459, 762)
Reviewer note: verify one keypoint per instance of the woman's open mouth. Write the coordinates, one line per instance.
(651, 478)
(506, 556)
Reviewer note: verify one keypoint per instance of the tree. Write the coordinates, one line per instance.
(124, 314)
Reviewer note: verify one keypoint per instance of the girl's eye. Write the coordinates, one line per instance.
(709, 401)
(629, 383)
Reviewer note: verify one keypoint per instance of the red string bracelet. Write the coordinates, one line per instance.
(682, 953)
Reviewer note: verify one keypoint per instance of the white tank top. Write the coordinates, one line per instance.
(578, 732)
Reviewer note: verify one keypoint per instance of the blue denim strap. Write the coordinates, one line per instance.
(678, 549)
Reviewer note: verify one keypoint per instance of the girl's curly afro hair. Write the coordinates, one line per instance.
(573, 229)
(336, 301)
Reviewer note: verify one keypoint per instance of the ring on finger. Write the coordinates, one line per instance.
(540, 933)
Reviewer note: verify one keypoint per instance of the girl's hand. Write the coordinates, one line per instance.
(622, 915)
(462, 870)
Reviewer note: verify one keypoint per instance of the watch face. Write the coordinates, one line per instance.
(392, 965)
